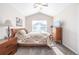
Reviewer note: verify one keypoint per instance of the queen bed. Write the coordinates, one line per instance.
(32, 38)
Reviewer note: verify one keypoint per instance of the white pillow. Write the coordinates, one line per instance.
(45, 33)
(27, 36)
(22, 32)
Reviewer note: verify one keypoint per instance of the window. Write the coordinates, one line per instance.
(39, 26)
(3, 33)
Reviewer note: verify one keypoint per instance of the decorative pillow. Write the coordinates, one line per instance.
(26, 36)
(26, 31)
(45, 33)
(22, 32)
(21, 35)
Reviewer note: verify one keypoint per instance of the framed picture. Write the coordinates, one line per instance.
(18, 21)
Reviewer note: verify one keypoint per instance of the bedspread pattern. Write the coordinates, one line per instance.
(33, 38)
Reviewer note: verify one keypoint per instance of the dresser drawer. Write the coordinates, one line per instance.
(12, 52)
(8, 46)
(3, 51)
(57, 34)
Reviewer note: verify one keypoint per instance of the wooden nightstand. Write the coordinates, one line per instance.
(57, 34)
(8, 46)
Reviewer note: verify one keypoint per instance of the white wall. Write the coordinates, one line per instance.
(69, 19)
(9, 12)
(77, 27)
(38, 16)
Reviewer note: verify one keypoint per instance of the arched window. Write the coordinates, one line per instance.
(39, 26)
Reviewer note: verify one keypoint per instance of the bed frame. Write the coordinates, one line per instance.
(14, 31)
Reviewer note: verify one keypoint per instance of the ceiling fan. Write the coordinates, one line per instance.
(36, 5)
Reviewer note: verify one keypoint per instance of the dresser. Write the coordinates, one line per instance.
(8, 46)
(57, 34)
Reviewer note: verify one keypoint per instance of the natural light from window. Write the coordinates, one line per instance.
(39, 26)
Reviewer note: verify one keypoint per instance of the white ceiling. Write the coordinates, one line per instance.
(28, 9)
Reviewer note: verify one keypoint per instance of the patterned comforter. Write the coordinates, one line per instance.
(33, 38)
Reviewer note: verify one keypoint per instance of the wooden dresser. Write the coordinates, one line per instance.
(8, 46)
(57, 34)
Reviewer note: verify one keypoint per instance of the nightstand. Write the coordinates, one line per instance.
(57, 34)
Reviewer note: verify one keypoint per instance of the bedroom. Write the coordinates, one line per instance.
(31, 18)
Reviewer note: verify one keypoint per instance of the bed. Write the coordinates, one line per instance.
(32, 39)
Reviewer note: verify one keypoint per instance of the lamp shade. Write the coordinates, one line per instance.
(8, 23)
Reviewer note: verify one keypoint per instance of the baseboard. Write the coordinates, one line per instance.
(70, 48)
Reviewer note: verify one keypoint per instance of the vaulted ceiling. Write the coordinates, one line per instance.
(28, 8)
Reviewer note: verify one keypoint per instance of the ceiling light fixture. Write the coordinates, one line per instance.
(40, 5)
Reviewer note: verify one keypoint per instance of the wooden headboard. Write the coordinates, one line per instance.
(14, 31)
